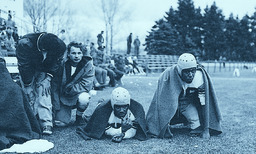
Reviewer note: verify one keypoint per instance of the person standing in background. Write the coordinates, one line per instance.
(136, 44)
(129, 44)
(10, 22)
(100, 40)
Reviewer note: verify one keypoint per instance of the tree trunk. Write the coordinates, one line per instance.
(111, 39)
(106, 40)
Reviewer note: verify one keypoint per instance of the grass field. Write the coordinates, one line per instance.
(237, 101)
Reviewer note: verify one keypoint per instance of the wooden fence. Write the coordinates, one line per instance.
(156, 63)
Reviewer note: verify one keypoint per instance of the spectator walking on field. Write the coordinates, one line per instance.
(136, 44)
(129, 43)
(39, 57)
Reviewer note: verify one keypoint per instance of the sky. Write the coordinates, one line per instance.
(144, 13)
(151, 10)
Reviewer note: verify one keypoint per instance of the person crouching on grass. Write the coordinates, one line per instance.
(119, 118)
(185, 94)
(71, 87)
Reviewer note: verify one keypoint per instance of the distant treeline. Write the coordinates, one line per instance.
(208, 35)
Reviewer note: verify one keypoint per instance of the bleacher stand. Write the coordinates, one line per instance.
(156, 63)
(12, 67)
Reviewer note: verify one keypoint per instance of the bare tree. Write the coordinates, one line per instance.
(110, 10)
(63, 18)
(40, 12)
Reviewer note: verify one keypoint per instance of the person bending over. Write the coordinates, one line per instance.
(39, 57)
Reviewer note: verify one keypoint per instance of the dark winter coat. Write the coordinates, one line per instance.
(66, 88)
(30, 59)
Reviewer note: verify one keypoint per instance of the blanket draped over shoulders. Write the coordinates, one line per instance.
(99, 121)
(165, 103)
(17, 122)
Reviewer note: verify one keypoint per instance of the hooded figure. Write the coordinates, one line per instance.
(119, 118)
(185, 94)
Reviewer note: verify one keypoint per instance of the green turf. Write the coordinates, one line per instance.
(237, 103)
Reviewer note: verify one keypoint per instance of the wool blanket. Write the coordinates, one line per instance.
(165, 103)
(99, 121)
(17, 121)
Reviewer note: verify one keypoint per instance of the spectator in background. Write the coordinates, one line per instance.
(87, 45)
(92, 48)
(113, 73)
(2, 23)
(39, 57)
(110, 73)
(10, 22)
(100, 40)
(128, 64)
(136, 44)
(100, 61)
(97, 85)
(15, 35)
(119, 62)
(135, 65)
(100, 73)
(71, 87)
(64, 37)
(85, 50)
(3, 49)
(129, 44)
(9, 42)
